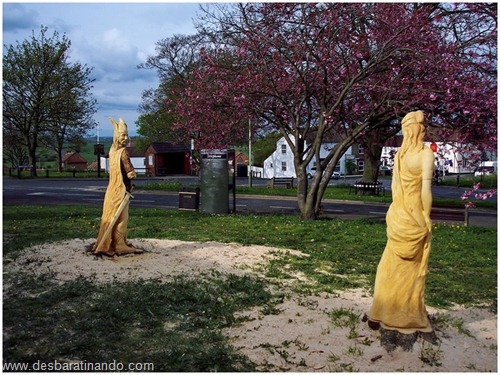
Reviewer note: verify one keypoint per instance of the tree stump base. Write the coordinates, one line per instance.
(393, 339)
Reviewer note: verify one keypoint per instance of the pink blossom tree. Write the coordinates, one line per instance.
(453, 80)
(311, 71)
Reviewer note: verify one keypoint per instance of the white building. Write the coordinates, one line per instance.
(280, 162)
(450, 157)
(138, 161)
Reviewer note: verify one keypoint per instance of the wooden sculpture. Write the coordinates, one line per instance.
(112, 237)
(398, 301)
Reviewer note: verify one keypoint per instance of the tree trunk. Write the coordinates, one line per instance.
(309, 209)
(59, 161)
(310, 193)
(372, 164)
(306, 193)
(33, 159)
(32, 146)
(373, 144)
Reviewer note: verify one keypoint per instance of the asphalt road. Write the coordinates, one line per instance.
(91, 192)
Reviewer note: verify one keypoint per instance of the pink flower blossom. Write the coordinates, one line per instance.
(483, 196)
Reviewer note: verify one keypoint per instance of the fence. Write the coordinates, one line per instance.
(53, 173)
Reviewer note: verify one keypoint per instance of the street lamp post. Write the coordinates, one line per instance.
(250, 153)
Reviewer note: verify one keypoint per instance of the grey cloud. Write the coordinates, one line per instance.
(110, 63)
(16, 17)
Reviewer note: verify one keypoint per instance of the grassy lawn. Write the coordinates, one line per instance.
(84, 320)
(487, 182)
(175, 325)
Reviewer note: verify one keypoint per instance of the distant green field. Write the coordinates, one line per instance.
(47, 158)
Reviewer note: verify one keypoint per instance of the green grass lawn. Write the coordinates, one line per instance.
(82, 320)
(461, 256)
(487, 182)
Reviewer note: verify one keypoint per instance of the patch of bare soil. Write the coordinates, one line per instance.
(300, 336)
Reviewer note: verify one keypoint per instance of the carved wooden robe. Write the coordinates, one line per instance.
(119, 183)
(398, 301)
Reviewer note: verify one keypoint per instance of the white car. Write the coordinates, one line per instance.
(484, 171)
(335, 175)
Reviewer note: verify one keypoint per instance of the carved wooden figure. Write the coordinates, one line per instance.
(398, 301)
(112, 237)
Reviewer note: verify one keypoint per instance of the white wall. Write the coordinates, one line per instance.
(139, 164)
(453, 158)
(280, 162)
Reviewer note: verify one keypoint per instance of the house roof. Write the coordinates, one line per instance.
(73, 158)
(167, 147)
(133, 152)
(92, 165)
(241, 156)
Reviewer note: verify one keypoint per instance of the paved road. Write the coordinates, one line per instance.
(91, 192)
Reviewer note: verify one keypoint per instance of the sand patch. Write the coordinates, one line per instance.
(300, 337)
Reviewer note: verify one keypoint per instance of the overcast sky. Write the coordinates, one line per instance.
(111, 37)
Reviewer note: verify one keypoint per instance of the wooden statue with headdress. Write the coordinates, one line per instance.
(112, 237)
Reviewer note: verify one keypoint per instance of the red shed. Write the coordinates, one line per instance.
(166, 158)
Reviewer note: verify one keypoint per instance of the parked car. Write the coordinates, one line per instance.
(484, 171)
(335, 175)
(311, 174)
(384, 170)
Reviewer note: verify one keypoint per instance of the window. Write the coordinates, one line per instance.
(283, 166)
(283, 149)
(361, 149)
(361, 166)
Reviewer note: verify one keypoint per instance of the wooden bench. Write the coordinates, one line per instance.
(362, 188)
(278, 181)
(450, 213)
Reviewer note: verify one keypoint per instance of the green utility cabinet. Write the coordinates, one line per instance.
(214, 182)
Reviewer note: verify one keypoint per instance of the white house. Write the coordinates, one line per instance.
(450, 157)
(138, 161)
(280, 162)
